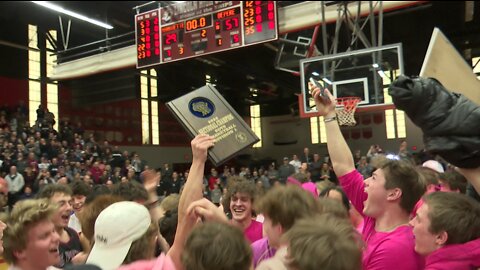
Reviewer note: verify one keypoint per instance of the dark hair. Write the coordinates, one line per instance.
(345, 200)
(456, 214)
(238, 184)
(430, 176)
(143, 248)
(301, 177)
(242, 185)
(284, 205)
(82, 267)
(455, 180)
(216, 245)
(325, 241)
(96, 191)
(48, 191)
(403, 175)
(131, 191)
(80, 188)
(333, 207)
(168, 225)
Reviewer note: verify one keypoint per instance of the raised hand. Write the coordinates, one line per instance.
(325, 105)
(200, 145)
(206, 210)
(192, 191)
(150, 179)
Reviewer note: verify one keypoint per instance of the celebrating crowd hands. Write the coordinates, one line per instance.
(383, 214)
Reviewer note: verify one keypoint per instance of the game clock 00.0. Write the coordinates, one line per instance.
(195, 29)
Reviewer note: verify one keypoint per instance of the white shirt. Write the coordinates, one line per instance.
(15, 182)
(74, 223)
(297, 164)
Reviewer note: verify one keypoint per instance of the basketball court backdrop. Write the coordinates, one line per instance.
(365, 74)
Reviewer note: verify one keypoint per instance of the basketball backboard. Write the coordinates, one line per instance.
(295, 46)
(365, 73)
(444, 63)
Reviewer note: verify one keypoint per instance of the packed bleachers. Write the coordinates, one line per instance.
(88, 181)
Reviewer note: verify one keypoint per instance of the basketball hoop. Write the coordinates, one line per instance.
(346, 110)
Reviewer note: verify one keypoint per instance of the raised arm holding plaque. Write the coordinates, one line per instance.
(205, 111)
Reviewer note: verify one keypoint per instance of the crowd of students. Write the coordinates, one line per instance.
(81, 206)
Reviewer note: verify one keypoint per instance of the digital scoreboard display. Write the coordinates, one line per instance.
(195, 28)
(147, 38)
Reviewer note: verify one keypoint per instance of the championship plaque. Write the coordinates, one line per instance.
(205, 111)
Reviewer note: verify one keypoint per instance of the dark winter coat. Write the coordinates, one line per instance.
(450, 122)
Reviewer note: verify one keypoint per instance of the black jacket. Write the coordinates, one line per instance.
(450, 122)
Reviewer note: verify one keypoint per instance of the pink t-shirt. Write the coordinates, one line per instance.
(457, 256)
(262, 251)
(384, 250)
(311, 187)
(254, 232)
(162, 262)
(308, 186)
(416, 207)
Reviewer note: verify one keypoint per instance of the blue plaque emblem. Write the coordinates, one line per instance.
(201, 107)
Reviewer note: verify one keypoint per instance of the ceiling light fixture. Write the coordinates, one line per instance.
(71, 13)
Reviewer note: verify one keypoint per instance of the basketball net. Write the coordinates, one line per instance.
(346, 110)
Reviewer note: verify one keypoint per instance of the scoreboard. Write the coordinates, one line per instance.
(194, 28)
(147, 38)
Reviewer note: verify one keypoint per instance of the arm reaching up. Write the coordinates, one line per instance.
(191, 192)
(340, 154)
(206, 210)
(151, 179)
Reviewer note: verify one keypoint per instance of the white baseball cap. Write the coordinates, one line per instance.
(434, 165)
(116, 228)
